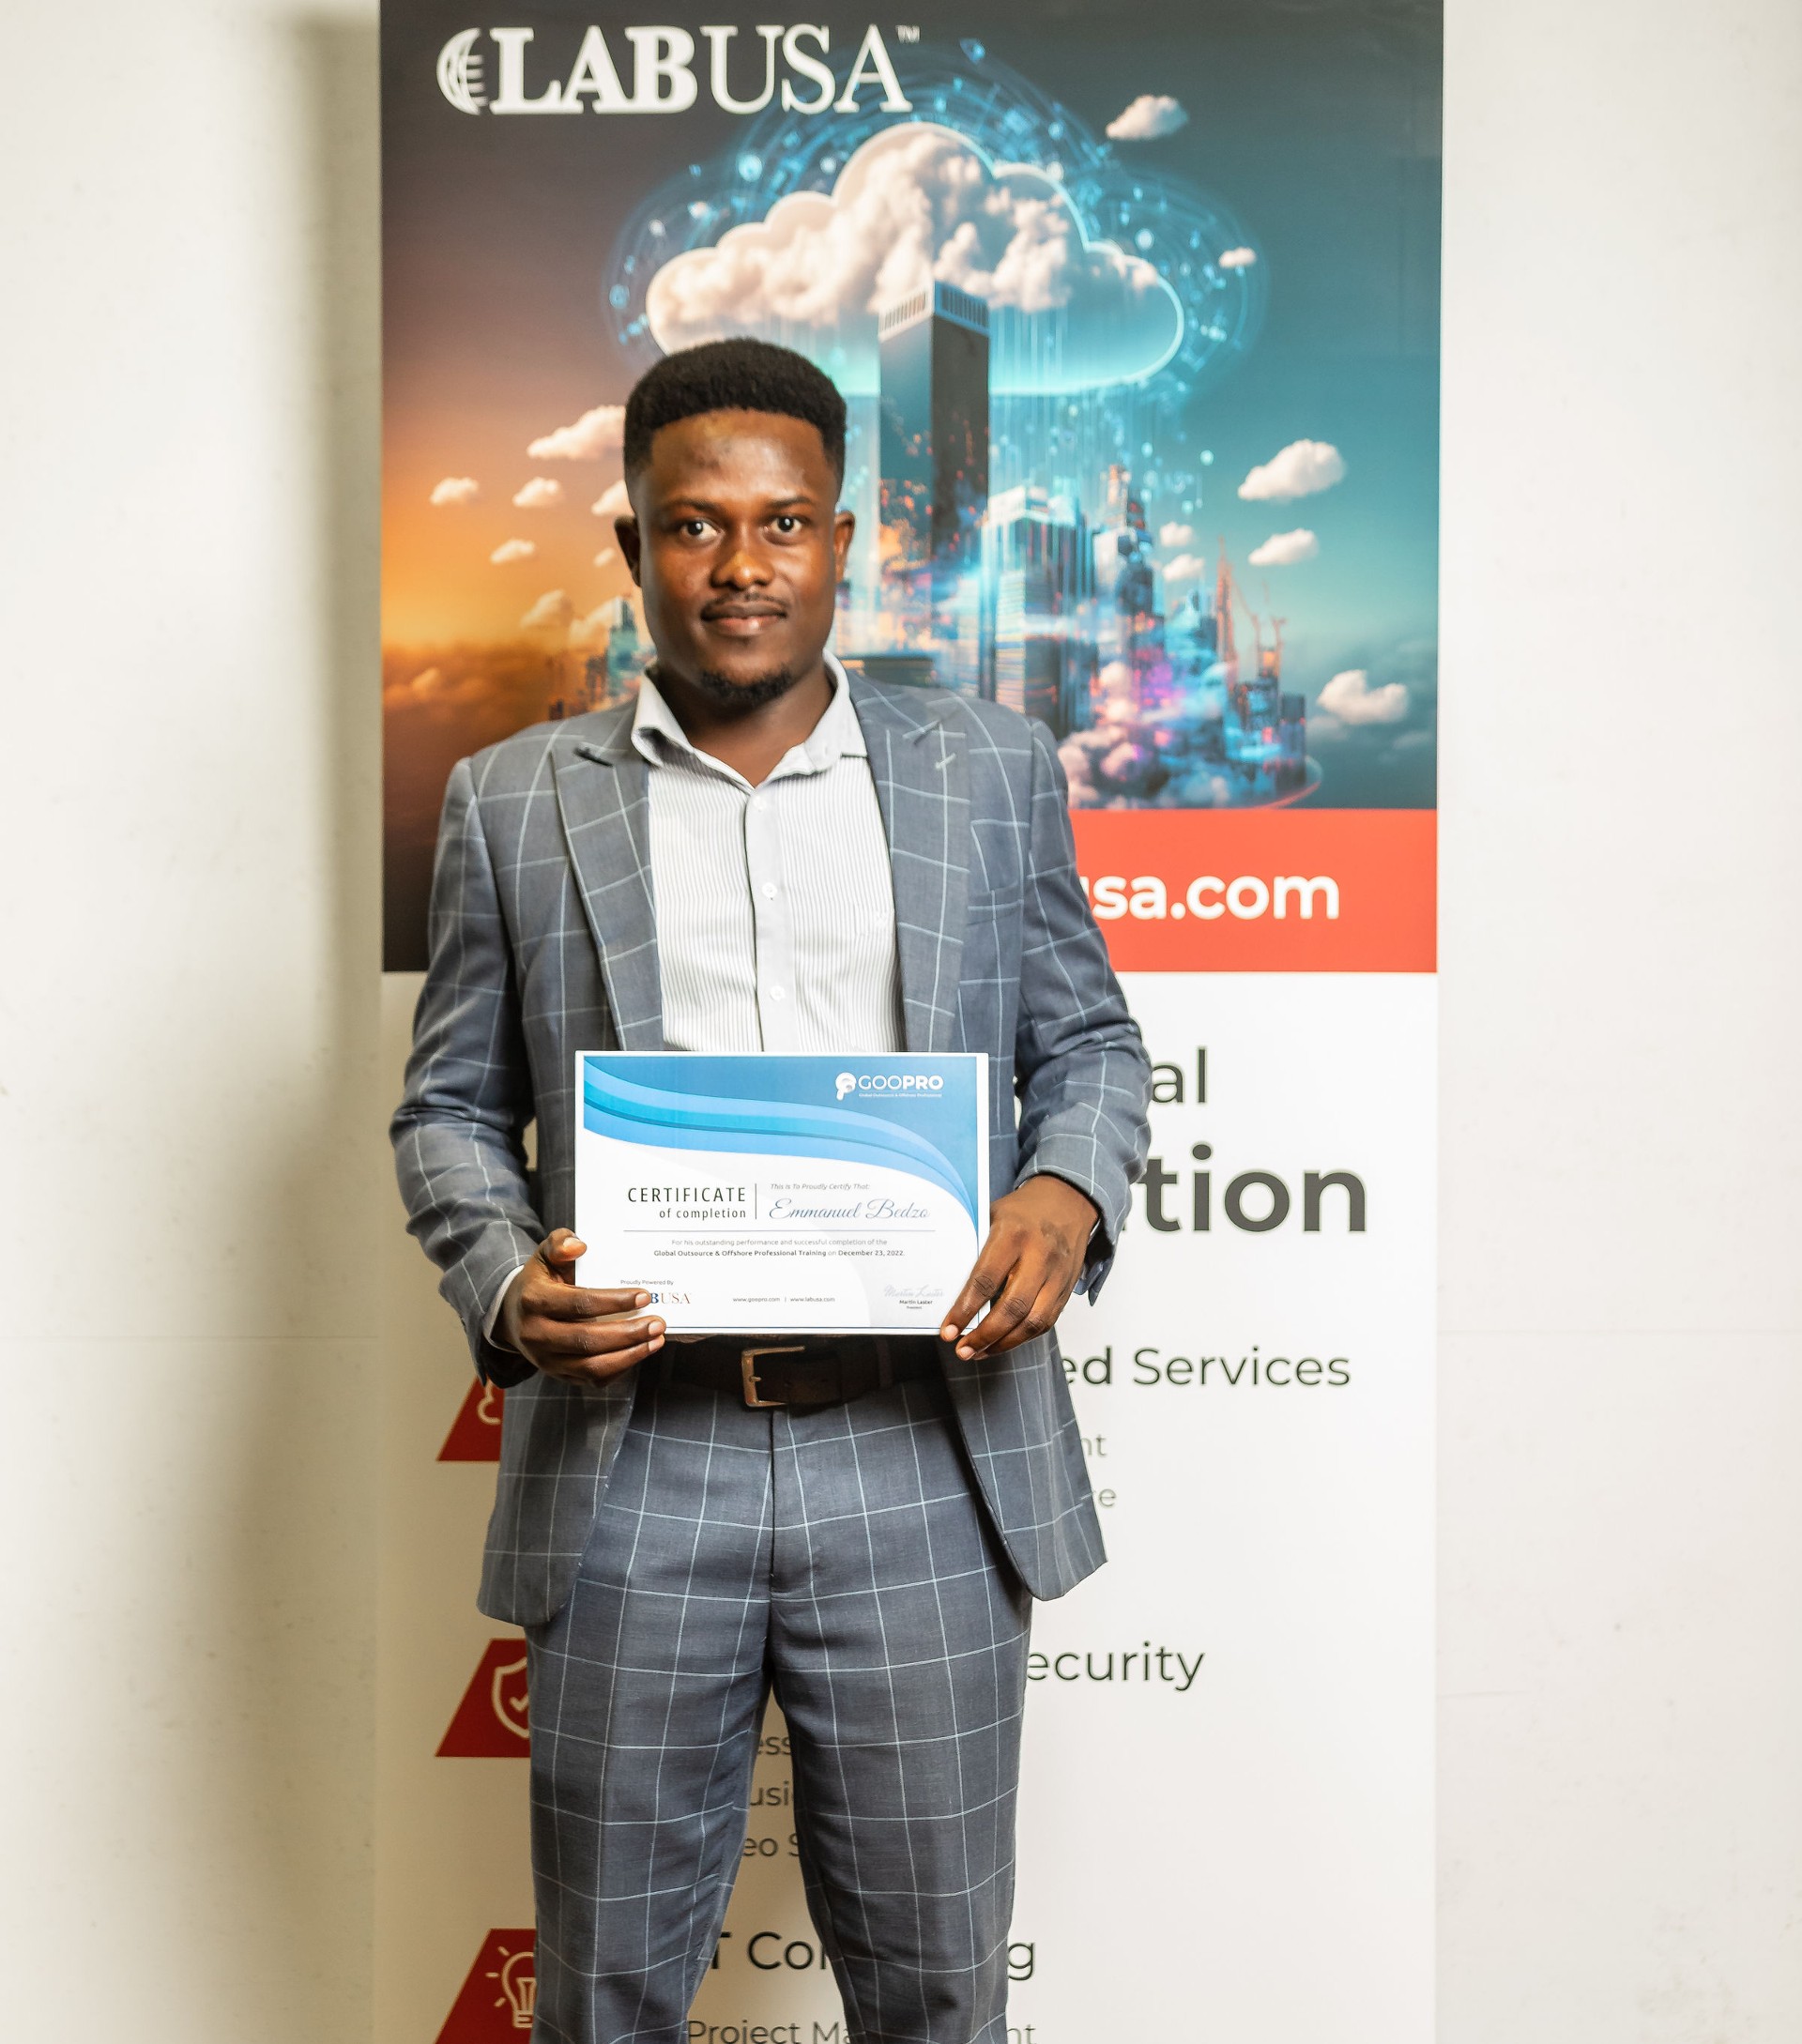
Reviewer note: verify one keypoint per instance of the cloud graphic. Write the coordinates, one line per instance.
(1175, 535)
(456, 489)
(917, 203)
(613, 502)
(1185, 567)
(598, 433)
(553, 612)
(1237, 259)
(1152, 115)
(1303, 467)
(1284, 549)
(589, 634)
(512, 550)
(1349, 698)
(605, 558)
(540, 494)
(1107, 764)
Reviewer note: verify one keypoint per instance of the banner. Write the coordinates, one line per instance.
(1136, 315)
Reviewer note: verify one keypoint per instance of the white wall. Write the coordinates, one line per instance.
(190, 1118)
(1620, 1550)
(188, 1122)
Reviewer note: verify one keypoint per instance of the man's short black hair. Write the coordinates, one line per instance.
(733, 376)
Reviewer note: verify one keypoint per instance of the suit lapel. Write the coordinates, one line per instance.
(920, 762)
(605, 809)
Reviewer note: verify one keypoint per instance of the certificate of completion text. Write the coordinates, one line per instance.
(783, 1194)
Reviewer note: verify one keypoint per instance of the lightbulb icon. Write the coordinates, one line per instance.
(519, 1984)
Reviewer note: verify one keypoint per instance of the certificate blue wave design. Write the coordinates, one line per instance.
(634, 1113)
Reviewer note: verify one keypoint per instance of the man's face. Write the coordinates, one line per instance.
(738, 546)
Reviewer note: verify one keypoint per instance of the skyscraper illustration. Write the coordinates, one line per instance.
(931, 348)
(1039, 569)
(625, 657)
(1020, 598)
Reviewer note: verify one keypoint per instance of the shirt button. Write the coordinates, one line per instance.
(768, 891)
(775, 993)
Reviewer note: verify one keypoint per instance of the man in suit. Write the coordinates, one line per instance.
(767, 854)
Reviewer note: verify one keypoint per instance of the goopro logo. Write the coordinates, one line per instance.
(890, 1082)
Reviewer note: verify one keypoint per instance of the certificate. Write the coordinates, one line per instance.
(783, 1194)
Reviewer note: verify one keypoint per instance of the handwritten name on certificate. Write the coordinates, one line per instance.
(779, 1194)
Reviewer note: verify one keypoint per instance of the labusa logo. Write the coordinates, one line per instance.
(663, 69)
(890, 1082)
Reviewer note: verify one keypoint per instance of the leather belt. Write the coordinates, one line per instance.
(815, 1372)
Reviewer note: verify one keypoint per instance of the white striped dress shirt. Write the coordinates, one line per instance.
(776, 906)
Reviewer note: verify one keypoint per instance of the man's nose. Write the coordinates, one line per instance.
(744, 565)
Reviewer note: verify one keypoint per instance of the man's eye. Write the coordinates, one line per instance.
(787, 524)
(694, 529)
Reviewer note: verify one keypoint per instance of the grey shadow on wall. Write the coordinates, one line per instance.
(289, 1795)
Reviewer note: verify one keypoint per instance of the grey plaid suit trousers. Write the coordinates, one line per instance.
(842, 1555)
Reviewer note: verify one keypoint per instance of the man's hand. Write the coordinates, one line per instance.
(1029, 1266)
(575, 1335)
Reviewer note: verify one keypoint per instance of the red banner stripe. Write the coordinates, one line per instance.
(1262, 891)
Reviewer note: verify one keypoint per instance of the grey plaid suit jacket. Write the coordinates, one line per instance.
(544, 943)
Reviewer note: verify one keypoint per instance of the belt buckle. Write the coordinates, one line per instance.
(748, 1371)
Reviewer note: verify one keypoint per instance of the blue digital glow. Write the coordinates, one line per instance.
(1017, 460)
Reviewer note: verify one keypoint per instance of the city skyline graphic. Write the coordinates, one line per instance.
(1142, 385)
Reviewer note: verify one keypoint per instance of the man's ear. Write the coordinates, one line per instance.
(844, 531)
(626, 531)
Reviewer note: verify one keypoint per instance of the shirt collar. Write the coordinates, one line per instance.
(836, 736)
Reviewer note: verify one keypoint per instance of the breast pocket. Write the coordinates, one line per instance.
(1000, 901)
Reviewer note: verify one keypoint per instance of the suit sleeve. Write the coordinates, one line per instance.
(459, 1132)
(1079, 1064)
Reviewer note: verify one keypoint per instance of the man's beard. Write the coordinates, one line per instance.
(744, 696)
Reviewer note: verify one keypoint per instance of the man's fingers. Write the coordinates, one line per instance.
(1040, 1318)
(559, 1249)
(572, 1338)
(980, 1287)
(559, 1301)
(579, 1369)
(1024, 1276)
(1025, 1282)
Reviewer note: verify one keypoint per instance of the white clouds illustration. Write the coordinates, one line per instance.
(605, 558)
(613, 502)
(1349, 698)
(603, 431)
(1152, 115)
(540, 494)
(553, 612)
(456, 489)
(1185, 567)
(1237, 258)
(917, 203)
(1303, 467)
(1175, 535)
(512, 550)
(1284, 549)
(589, 634)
